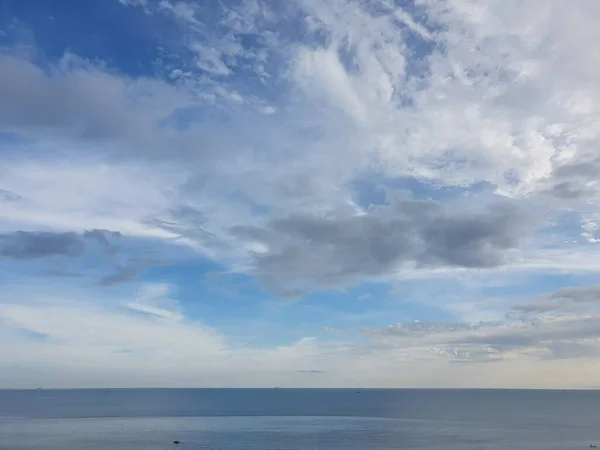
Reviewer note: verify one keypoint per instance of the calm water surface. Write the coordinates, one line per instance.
(135, 419)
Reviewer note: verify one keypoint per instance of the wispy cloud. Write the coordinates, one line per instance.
(442, 146)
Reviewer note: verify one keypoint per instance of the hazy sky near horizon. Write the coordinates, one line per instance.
(300, 193)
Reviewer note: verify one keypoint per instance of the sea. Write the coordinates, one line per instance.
(298, 419)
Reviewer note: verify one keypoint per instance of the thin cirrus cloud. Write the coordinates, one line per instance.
(443, 152)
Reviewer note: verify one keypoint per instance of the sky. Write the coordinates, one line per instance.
(310, 193)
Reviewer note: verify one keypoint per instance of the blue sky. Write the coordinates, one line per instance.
(302, 193)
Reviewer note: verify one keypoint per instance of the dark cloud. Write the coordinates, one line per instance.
(103, 237)
(572, 181)
(9, 196)
(25, 245)
(305, 250)
(33, 245)
(477, 240)
(34, 101)
(569, 190)
(313, 371)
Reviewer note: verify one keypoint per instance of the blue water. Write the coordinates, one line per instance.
(132, 419)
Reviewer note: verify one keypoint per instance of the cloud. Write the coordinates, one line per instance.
(143, 338)
(246, 144)
(133, 2)
(572, 299)
(28, 245)
(90, 254)
(9, 196)
(544, 339)
(155, 301)
(53, 102)
(122, 275)
(331, 250)
(32, 245)
(108, 196)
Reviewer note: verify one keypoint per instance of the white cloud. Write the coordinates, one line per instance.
(250, 152)
(80, 195)
(155, 301)
(80, 340)
(358, 99)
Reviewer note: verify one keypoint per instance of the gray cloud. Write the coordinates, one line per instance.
(312, 371)
(554, 333)
(579, 294)
(31, 100)
(567, 299)
(117, 109)
(32, 245)
(568, 350)
(303, 249)
(569, 190)
(102, 237)
(122, 275)
(9, 196)
(189, 223)
(420, 328)
(571, 181)
(556, 337)
(130, 271)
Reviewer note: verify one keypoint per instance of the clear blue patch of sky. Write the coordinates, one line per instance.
(124, 37)
(208, 293)
(238, 305)
(234, 304)
(367, 304)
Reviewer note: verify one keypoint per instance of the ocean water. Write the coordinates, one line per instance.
(308, 419)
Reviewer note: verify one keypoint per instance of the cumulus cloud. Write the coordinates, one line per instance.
(51, 104)
(331, 250)
(353, 78)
